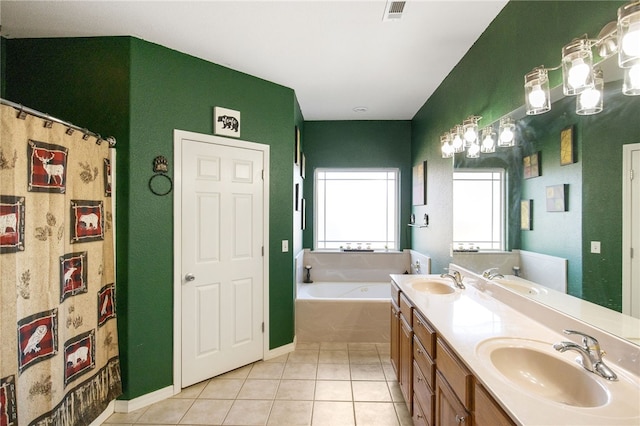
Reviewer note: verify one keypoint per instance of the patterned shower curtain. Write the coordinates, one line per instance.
(58, 339)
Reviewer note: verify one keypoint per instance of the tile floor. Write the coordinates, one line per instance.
(336, 384)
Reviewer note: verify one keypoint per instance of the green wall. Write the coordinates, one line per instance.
(488, 81)
(139, 92)
(358, 144)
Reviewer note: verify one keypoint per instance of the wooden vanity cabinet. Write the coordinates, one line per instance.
(424, 368)
(454, 388)
(395, 330)
(487, 411)
(406, 354)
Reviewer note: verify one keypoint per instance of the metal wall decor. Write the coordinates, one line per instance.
(164, 185)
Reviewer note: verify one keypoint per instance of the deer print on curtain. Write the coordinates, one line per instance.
(59, 360)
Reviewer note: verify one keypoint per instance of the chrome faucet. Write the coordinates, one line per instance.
(456, 277)
(492, 273)
(590, 354)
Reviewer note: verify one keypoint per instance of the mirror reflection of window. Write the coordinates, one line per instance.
(479, 209)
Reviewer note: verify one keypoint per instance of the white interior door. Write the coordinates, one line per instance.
(222, 215)
(631, 230)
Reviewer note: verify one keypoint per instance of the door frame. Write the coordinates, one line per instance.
(178, 135)
(626, 226)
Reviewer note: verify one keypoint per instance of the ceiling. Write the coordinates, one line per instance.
(336, 55)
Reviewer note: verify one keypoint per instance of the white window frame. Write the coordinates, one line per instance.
(395, 237)
(502, 226)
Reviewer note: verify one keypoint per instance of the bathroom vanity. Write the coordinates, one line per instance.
(470, 356)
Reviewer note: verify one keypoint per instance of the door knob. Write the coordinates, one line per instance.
(189, 277)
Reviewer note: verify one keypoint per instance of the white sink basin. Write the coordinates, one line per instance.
(521, 286)
(431, 286)
(533, 367)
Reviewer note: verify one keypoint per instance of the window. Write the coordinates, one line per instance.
(479, 209)
(356, 208)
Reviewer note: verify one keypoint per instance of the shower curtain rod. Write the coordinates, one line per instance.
(22, 109)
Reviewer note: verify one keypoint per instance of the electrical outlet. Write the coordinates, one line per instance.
(285, 246)
(595, 246)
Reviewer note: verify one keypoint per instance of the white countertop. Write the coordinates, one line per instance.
(466, 318)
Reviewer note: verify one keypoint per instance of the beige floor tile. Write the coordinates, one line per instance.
(207, 412)
(332, 414)
(193, 391)
(238, 373)
(266, 370)
(258, 389)
(371, 391)
(290, 413)
(396, 393)
(300, 371)
(362, 347)
(364, 357)
(245, 412)
(169, 411)
(222, 389)
(305, 356)
(125, 418)
(367, 372)
(375, 414)
(389, 372)
(334, 346)
(307, 345)
(404, 417)
(334, 372)
(333, 390)
(300, 390)
(281, 358)
(118, 424)
(333, 357)
(384, 349)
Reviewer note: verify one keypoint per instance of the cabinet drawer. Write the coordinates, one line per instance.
(395, 293)
(425, 333)
(423, 393)
(424, 361)
(455, 373)
(419, 418)
(405, 308)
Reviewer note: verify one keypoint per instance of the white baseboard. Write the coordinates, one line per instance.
(281, 350)
(104, 415)
(144, 400)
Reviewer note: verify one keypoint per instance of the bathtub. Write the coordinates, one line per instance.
(343, 312)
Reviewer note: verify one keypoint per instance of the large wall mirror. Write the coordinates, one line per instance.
(588, 205)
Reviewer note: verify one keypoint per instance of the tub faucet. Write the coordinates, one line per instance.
(590, 354)
(492, 273)
(456, 277)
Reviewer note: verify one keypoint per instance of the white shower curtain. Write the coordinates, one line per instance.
(58, 338)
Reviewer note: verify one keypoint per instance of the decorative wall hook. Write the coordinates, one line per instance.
(160, 167)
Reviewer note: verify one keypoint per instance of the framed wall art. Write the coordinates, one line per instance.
(567, 148)
(420, 184)
(556, 198)
(296, 148)
(531, 166)
(526, 215)
(226, 122)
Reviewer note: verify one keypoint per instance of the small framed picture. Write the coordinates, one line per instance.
(226, 122)
(526, 215)
(296, 148)
(556, 196)
(303, 165)
(567, 151)
(297, 196)
(420, 184)
(531, 165)
(303, 215)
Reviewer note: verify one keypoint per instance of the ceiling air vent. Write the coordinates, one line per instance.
(393, 10)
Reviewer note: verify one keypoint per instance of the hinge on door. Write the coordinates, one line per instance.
(262, 251)
(631, 252)
(263, 326)
(262, 174)
(631, 174)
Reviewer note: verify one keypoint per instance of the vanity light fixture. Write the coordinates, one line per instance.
(507, 132)
(629, 34)
(488, 144)
(631, 85)
(473, 150)
(470, 130)
(577, 66)
(621, 36)
(457, 141)
(445, 146)
(536, 89)
(590, 101)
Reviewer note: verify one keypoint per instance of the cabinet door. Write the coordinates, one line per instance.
(406, 361)
(487, 411)
(449, 410)
(395, 339)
